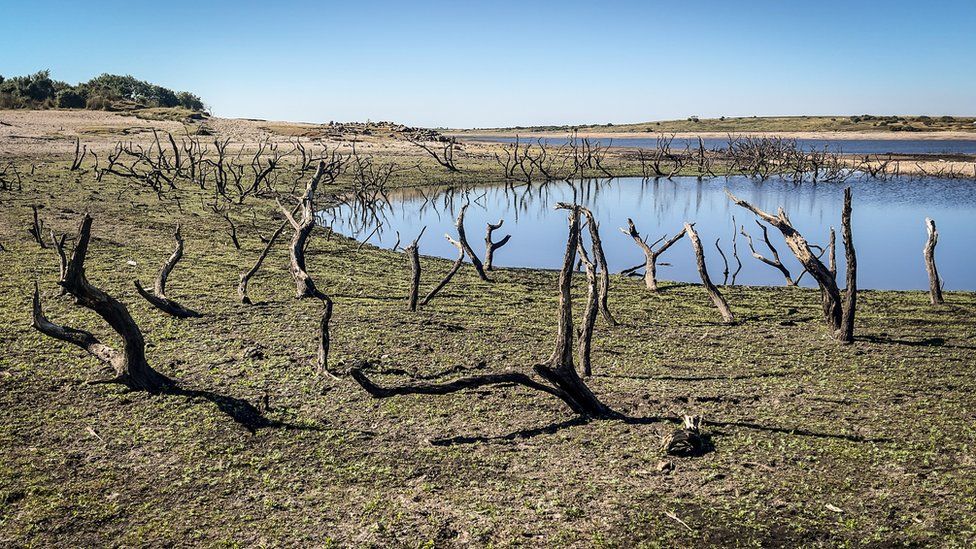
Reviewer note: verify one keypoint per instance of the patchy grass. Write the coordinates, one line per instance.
(882, 430)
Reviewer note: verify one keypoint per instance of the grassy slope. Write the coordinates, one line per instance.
(772, 124)
(882, 429)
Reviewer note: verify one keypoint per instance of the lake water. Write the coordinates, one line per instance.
(888, 224)
(845, 146)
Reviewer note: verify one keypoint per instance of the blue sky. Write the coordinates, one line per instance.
(500, 63)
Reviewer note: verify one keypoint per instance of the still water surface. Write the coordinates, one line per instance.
(888, 224)
(845, 146)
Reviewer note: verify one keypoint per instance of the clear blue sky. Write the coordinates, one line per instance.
(499, 63)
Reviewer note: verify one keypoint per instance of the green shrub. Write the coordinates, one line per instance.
(71, 98)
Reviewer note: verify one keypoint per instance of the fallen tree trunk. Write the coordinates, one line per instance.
(713, 293)
(130, 365)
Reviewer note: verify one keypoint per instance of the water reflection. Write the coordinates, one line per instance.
(888, 223)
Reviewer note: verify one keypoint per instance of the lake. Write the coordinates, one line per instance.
(888, 224)
(844, 146)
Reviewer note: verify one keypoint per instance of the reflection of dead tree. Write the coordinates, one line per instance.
(833, 308)
(246, 276)
(725, 261)
(775, 261)
(158, 297)
(130, 365)
(558, 371)
(650, 254)
(491, 246)
(463, 240)
(36, 230)
(713, 293)
(735, 252)
(935, 285)
(445, 157)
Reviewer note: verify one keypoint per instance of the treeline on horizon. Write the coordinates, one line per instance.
(104, 92)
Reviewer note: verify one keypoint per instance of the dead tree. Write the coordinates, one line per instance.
(246, 276)
(80, 152)
(725, 261)
(158, 297)
(450, 274)
(559, 371)
(600, 260)
(650, 254)
(304, 285)
(775, 261)
(585, 334)
(833, 308)
(490, 246)
(717, 298)
(850, 293)
(445, 158)
(130, 365)
(935, 285)
(322, 360)
(463, 240)
(413, 252)
(36, 229)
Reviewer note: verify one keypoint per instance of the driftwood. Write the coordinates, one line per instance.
(935, 285)
(491, 246)
(713, 293)
(650, 254)
(130, 365)
(775, 261)
(158, 297)
(246, 276)
(559, 371)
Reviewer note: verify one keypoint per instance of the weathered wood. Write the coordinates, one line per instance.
(832, 307)
(600, 260)
(775, 261)
(558, 370)
(36, 229)
(491, 246)
(585, 343)
(304, 285)
(130, 365)
(158, 297)
(246, 276)
(846, 334)
(450, 274)
(322, 360)
(713, 293)
(928, 252)
(413, 252)
(463, 240)
(650, 254)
